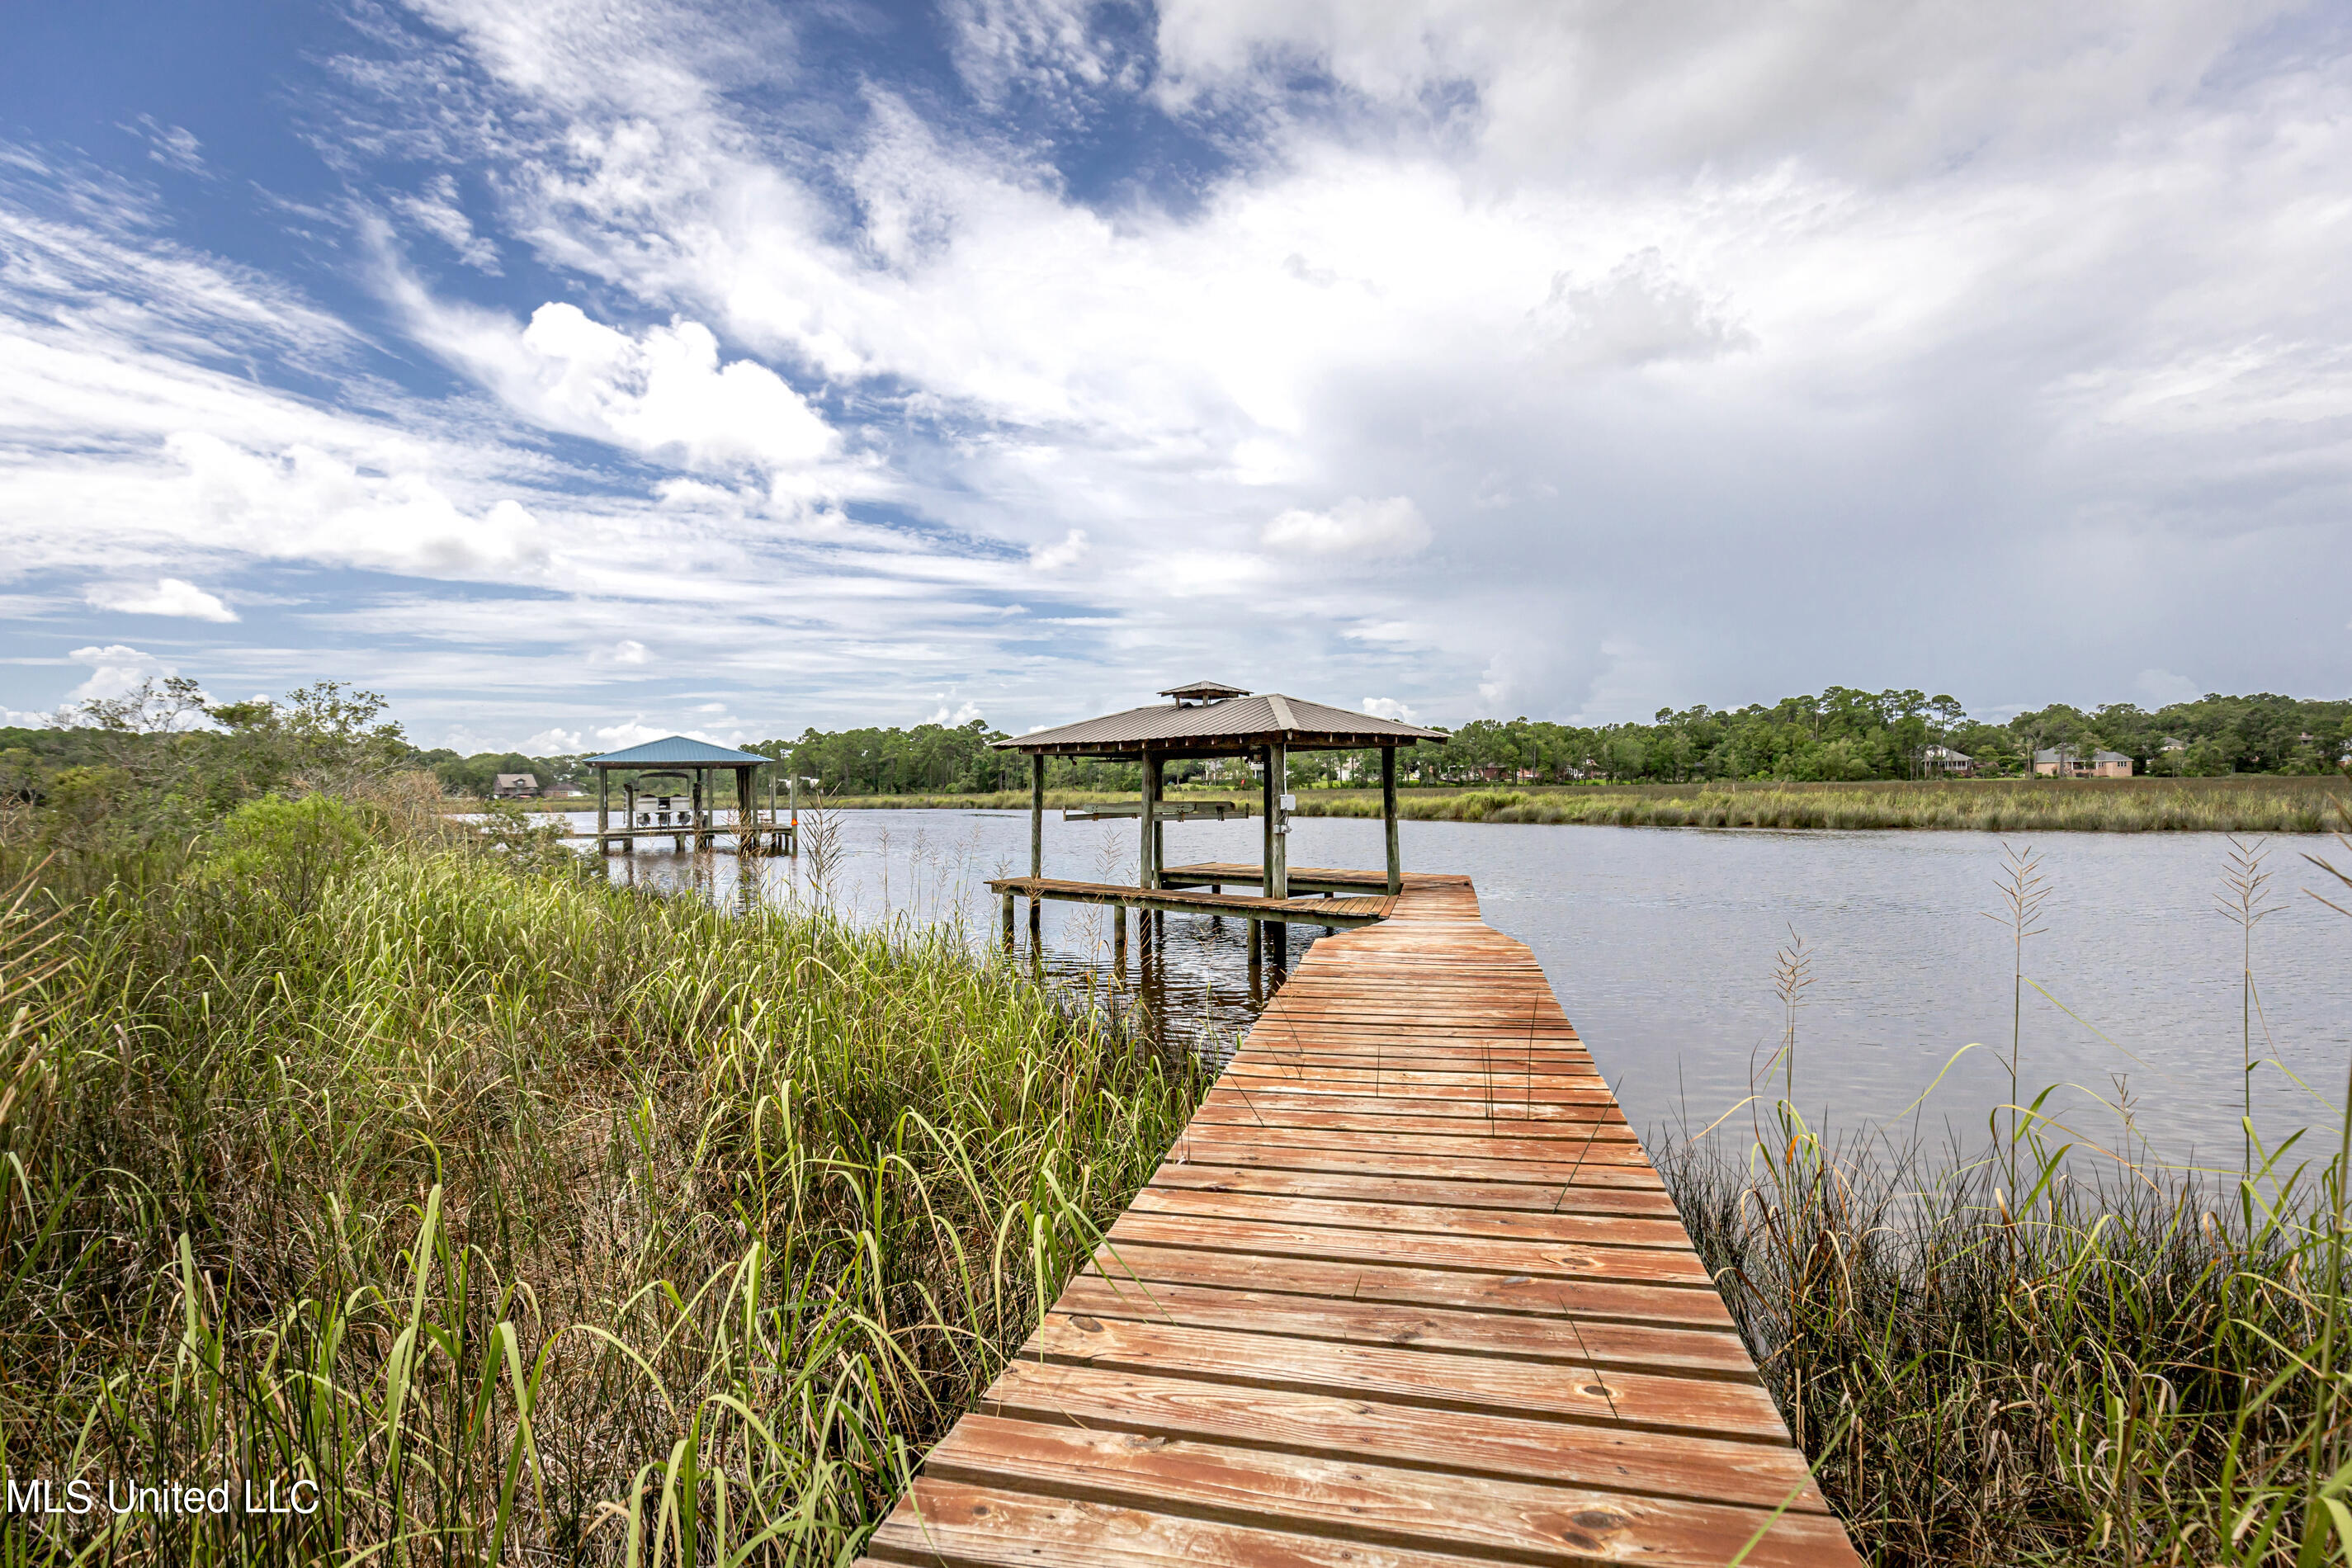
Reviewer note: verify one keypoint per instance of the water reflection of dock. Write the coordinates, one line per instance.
(1406, 1292)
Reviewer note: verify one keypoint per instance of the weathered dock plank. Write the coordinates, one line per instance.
(1406, 1293)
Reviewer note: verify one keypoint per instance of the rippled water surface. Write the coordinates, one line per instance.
(1660, 944)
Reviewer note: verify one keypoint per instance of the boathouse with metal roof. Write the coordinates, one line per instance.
(1212, 719)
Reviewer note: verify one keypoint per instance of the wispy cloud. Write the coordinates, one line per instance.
(165, 596)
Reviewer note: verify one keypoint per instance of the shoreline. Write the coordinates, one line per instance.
(2283, 804)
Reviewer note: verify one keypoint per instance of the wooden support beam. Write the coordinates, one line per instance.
(1388, 819)
(1265, 835)
(1037, 815)
(1148, 872)
(604, 808)
(1278, 864)
(1008, 923)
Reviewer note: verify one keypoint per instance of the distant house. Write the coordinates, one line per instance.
(2066, 763)
(1947, 762)
(516, 786)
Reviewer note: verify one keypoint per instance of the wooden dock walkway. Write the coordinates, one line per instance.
(1406, 1293)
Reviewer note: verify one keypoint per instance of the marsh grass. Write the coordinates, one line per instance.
(2245, 804)
(2052, 1349)
(526, 1218)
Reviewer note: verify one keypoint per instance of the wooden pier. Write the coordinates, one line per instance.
(1406, 1293)
(1334, 912)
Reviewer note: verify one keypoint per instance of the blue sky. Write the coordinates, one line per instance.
(572, 373)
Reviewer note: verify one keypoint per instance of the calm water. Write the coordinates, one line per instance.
(1660, 943)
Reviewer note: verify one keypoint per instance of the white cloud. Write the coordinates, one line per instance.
(301, 501)
(1678, 324)
(1639, 314)
(635, 732)
(1389, 708)
(1354, 527)
(1068, 553)
(169, 596)
(173, 146)
(553, 743)
(665, 392)
(963, 714)
(434, 209)
(19, 719)
(115, 670)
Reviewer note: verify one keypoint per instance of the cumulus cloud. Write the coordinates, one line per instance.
(635, 732)
(554, 742)
(1068, 553)
(1389, 708)
(301, 500)
(1639, 314)
(114, 670)
(167, 596)
(1354, 527)
(663, 392)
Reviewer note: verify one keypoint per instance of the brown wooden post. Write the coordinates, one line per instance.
(604, 810)
(1278, 867)
(1008, 923)
(1037, 815)
(1389, 817)
(1147, 871)
(1119, 943)
(1265, 827)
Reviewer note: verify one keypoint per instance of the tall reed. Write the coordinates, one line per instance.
(2028, 1353)
(519, 1217)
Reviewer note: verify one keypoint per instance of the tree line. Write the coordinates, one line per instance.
(1843, 733)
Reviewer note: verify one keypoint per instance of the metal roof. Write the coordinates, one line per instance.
(1236, 724)
(674, 750)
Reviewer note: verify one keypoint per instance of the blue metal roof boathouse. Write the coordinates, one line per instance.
(690, 817)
